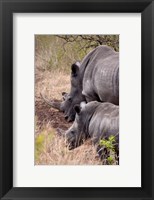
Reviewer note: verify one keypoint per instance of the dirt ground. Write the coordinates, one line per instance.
(45, 115)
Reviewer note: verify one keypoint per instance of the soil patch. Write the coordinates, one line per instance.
(47, 115)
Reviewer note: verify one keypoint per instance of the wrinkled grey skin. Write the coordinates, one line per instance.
(95, 120)
(96, 78)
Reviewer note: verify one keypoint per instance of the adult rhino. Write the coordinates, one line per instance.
(95, 78)
(95, 120)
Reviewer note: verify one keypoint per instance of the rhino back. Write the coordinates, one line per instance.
(101, 76)
(93, 56)
(105, 80)
(104, 122)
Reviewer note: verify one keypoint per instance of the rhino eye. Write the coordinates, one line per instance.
(69, 99)
(72, 132)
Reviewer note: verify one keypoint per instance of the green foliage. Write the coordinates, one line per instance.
(110, 160)
(39, 145)
(109, 144)
(41, 142)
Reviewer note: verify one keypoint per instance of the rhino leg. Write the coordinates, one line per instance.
(53, 104)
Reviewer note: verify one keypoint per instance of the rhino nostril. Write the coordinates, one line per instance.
(69, 119)
(72, 132)
(66, 117)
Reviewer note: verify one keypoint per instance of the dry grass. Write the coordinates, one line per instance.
(51, 84)
(53, 151)
(50, 148)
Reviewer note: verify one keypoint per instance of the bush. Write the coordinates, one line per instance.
(59, 52)
(108, 150)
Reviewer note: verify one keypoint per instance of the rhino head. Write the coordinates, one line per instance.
(75, 96)
(70, 99)
(79, 131)
(73, 136)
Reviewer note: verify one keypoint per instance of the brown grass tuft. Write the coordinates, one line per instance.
(53, 151)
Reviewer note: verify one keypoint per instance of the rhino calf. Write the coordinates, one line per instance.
(95, 120)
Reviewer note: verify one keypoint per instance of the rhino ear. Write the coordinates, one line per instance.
(77, 109)
(75, 69)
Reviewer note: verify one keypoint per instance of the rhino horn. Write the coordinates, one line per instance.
(53, 104)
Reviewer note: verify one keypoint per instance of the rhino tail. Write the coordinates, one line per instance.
(53, 104)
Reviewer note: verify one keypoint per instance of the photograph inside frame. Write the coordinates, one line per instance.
(76, 100)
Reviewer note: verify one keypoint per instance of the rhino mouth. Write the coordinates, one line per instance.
(70, 142)
(73, 142)
(71, 146)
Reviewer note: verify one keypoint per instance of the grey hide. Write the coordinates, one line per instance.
(95, 120)
(95, 78)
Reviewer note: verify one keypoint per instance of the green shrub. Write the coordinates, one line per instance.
(109, 149)
(42, 141)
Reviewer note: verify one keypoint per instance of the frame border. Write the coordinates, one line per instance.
(7, 8)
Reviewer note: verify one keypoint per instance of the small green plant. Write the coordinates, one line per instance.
(42, 141)
(109, 145)
(39, 145)
(110, 160)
